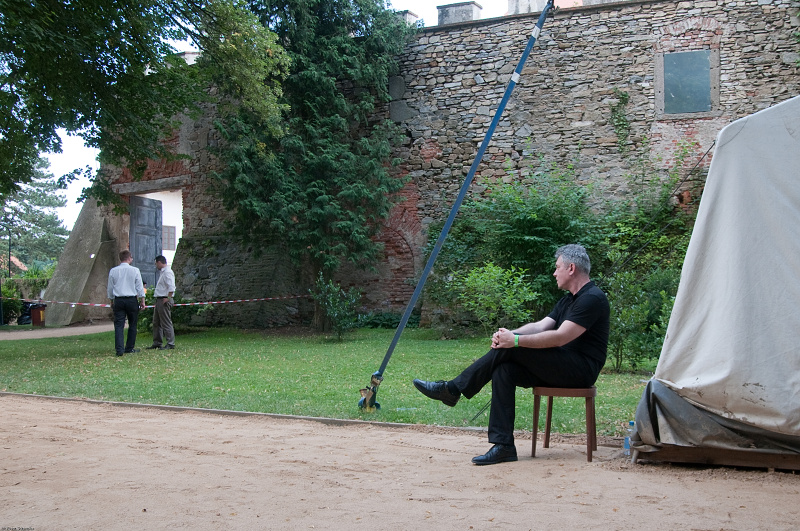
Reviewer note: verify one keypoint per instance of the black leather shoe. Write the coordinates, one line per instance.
(166, 347)
(437, 391)
(119, 353)
(152, 347)
(132, 351)
(499, 453)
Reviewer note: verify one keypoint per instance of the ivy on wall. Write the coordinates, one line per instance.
(620, 122)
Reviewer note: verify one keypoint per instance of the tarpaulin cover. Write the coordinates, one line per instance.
(732, 349)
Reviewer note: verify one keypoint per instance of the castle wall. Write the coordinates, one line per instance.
(453, 78)
(451, 81)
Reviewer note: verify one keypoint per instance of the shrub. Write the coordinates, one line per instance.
(340, 307)
(521, 225)
(637, 241)
(35, 280)
(12, 306)
(640, 310)
(525, 222)
(495, 296)
(181, 315)
(388, 320)
(646, 247)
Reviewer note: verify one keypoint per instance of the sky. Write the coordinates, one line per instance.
(75, 155)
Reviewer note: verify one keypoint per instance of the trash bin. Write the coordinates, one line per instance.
(37, 314)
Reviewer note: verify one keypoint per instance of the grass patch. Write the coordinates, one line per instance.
(301, 374)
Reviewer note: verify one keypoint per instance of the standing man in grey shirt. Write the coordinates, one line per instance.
(126, 291)
(162, 314)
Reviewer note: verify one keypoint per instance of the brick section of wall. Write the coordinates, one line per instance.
(390, 287)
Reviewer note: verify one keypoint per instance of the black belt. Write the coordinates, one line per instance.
(125, 297)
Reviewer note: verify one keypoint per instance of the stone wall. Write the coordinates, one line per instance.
(451, 81)
(454, 77)
(215, 268)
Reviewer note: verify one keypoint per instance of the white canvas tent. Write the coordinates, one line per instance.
(727, 386)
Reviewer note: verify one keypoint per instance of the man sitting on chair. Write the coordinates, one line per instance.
(565, 349)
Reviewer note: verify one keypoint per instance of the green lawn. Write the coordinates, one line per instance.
(306, 374)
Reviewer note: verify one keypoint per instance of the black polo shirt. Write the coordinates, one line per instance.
(588, 308)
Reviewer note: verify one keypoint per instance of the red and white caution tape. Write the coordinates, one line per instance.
(242, 300)
(39, 301)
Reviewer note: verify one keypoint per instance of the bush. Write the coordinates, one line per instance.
(640, 310)
(637, 243)
(12, 306)
(145, 320)
(389, 320)
(521, 224)
(495, 296)
(340, 307)
(35, 280)
(181, 315)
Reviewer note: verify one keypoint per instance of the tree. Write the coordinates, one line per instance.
(322, 188)
(28, 218)
(105, 70)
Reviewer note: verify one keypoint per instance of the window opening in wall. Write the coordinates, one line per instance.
(687, 82)
(168, 238)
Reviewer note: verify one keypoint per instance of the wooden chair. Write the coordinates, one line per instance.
(589, 393)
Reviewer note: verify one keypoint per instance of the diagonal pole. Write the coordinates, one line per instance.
(368, 394)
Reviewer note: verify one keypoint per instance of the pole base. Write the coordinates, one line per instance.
(367, 402)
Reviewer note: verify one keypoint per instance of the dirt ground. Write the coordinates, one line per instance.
(77, 464)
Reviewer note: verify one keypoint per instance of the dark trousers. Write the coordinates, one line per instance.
(125, 308)
(509, 368)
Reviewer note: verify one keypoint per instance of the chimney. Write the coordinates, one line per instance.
(407, 16)
(460, 12)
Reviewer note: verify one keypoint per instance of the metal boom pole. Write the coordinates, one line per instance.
(368, 394)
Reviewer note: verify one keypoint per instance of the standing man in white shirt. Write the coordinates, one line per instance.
(126, 291)
(162, 314)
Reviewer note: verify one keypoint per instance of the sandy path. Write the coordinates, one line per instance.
(82, 465)
(62, 331)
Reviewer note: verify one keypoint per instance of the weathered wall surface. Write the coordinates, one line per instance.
(451, 81)
(214, 268)
(390, 288)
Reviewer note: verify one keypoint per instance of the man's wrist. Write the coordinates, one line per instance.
(516, 340)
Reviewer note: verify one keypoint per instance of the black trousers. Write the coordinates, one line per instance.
(509, 368)
(125, 308)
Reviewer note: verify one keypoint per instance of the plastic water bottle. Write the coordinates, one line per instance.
(626, 446)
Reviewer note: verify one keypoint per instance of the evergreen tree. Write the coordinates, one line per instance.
(29, 219)
(323, 188)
